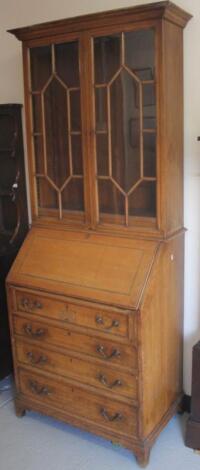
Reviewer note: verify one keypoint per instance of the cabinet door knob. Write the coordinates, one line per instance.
(103, 379)
(34, 334)
(101, 350)
(113, 324)
(108, 417)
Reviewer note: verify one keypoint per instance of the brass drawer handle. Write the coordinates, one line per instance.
(34, 360)
(102, 378)
(100, 321)
(39, 333)
(101, 350)
(30, 304)
(116, 417)
(36, 388)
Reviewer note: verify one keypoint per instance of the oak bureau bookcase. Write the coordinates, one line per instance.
(96, 292)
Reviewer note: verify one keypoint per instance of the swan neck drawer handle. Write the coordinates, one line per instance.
(101, 350)
(39, 333)
(36, 388)
(34, 360)
(100, 321)
(105, 414)
(102, 378)
(30, 304)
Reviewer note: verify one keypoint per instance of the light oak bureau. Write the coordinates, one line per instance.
(96, 292)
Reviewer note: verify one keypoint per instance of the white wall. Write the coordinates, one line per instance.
(26, 12)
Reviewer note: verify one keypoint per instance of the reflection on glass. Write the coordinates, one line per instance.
(37, 113)
(39, 154)
(139, 53)
(142, 202)
(76, 142)
(107, 53)
(47, 196)
(75, 110)
(111, 200)
(72, 195)
(41, 66)
(67, 67)
(150, 155)
(56, 124)
(149, 106)
(125, 130)
(102, 154)
(101, 109)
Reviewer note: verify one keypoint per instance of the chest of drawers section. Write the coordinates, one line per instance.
(76, 357)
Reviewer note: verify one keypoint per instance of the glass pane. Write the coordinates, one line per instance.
(72, 195)
(101, 109)
(149, 154)
(67, 63)
(39, 154)
(41, 67)
(37, 113)
(142, 201)
(75, 110)
(139, 53)
(125, 130)
(111, 200)
(76, 142)
(102, 154)
(107, 57)
(47, 196)
(56, 124)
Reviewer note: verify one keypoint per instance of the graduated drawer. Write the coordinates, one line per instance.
(83, 315)
(102, 411)
(100, 348)
(70, 366)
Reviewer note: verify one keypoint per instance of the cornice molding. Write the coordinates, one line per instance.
(154, 11)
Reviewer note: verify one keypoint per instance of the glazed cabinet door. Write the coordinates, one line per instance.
(56, 130)
(93, 108)
(124, 103)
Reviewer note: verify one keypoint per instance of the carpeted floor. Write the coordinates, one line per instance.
(35, 442)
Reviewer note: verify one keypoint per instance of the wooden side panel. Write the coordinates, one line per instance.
(171, 146)
(161, 335)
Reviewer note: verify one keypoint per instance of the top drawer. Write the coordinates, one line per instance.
(104, 320)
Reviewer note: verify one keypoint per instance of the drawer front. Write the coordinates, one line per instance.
(107, 413)
(68, 366)
(107, 351)
(101, 320)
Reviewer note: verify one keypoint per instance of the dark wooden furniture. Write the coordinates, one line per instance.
(193, 424)
(13, 212)
(96, 293)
